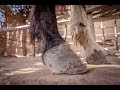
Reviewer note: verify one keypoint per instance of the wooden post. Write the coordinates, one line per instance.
(116, 36)
(14, 42)
(18, 42)
(34, 48)
(103, 34)
(65, 32)
(24, 49)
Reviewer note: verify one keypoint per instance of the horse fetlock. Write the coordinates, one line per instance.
(63, 61)
(96, 57)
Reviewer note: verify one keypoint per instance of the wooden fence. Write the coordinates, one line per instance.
(15, 41)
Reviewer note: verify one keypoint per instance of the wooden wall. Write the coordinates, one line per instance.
(14, 43)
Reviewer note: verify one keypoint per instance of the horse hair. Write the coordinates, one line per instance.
(44, 26)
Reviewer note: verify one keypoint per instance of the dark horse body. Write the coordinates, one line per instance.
(57, 54)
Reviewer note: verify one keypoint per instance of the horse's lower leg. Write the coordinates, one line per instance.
(57, 54)
(93, 53)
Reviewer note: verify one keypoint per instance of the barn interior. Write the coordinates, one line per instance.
(20, 60)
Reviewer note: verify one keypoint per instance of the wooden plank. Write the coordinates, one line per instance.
(14, 28)
(95, 8)
(107, 8)
(106, 18)
(106, 13)
(63, 16)
(25, 27)
(111, 12)
(103, 14)
(63, 22)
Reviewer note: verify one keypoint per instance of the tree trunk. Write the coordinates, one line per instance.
(81, 30)
(57, 54)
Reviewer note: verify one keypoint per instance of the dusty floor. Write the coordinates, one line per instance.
(31, 71)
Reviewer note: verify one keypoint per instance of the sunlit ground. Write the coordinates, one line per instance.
(23, 71)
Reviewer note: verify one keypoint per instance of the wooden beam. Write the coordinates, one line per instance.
(25, 27)
(63, 22)
(63, 16)
(108, 13)
(111, 12)
(14, 28)
(106, 18)
(107, 8)
(95, 8)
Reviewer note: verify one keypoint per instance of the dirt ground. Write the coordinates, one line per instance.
(31, 71)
